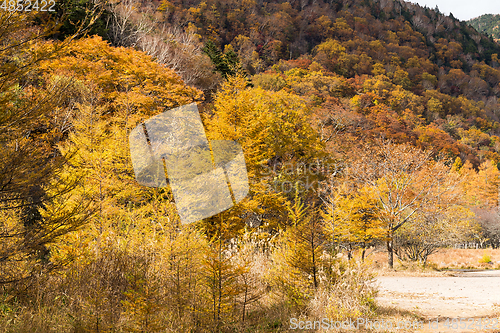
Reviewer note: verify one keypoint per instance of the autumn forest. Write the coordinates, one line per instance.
(366, 126)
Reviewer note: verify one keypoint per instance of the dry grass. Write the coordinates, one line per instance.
(442, 260)
(82, 301)
(348, 295)
(466, 258)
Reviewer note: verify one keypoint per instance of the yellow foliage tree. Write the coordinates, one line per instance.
(406, 180)
(481, 187)
(113, 91)
(298, 260)
(273, 130)
(355, 218)
(433, 229)
(36, 208)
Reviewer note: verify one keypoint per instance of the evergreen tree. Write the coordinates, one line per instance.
(227, 63)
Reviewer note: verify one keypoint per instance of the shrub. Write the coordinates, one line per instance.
(485, 259)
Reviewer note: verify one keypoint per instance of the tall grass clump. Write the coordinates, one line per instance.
(346, 291)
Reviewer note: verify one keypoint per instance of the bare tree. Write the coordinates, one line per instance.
(180, 51)
(490, 227)
(127, 25)
(175, 47)
(406, 180)
(432, 229)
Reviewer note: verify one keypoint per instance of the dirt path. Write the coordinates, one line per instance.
(465, 295)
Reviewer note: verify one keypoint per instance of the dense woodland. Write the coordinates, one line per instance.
(488, 23)
(364, 124)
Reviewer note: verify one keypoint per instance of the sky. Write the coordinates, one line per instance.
(463, 9)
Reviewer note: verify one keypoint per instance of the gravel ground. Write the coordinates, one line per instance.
(464, 295)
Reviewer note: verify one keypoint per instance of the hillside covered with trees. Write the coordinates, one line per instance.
(364, 124)
(488, 24)
(446, 73)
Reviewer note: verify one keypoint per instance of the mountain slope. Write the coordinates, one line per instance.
(412, 73)
(488, 24)
(404, 61)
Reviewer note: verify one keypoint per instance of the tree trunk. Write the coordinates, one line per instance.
(390, 254)
(313, 260)
(245, 301)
